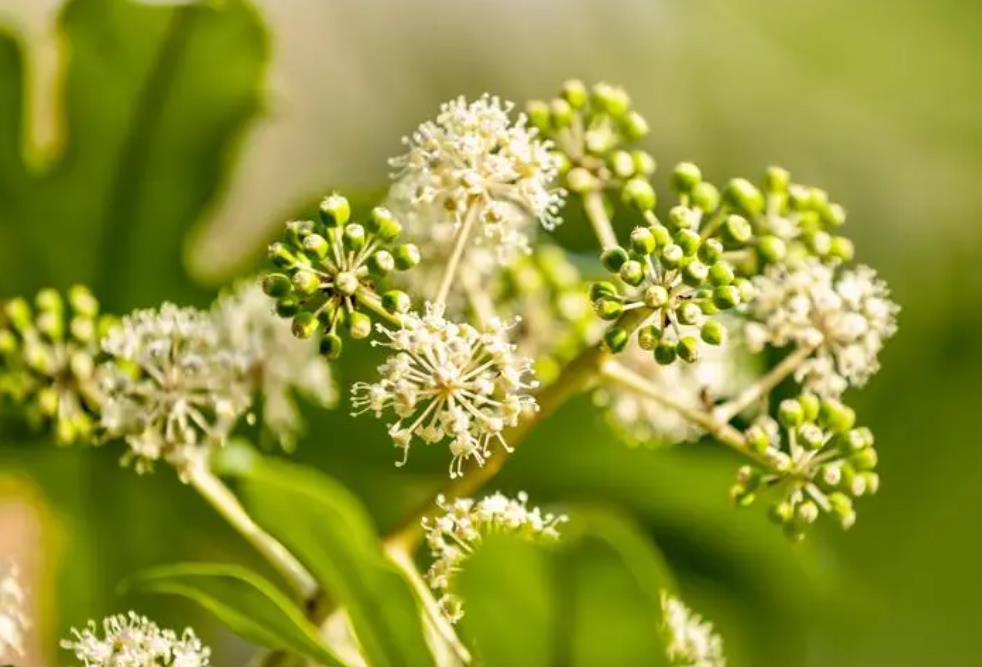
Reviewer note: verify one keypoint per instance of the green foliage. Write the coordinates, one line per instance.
(248, 604)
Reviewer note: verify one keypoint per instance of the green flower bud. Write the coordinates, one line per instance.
(298, 230)
(276, 285)
(381, 262)
(688, 313)
(835, 416)
(575, 93)
(710, 250)
(602, 289)
(743, 196)
(383, 224)
(705, 196)
(306, 282)
(611, 99)
(810, 404)
(771, 249)
(790, 413)
(655, 296)
(562, 113)
(622, 164)
(608, 309)
(782, 512)
(833, 215)
(671, 255)
(281, 256)
(359, 325)
(721, 273)
(757, 439)
(82, 301)
(864, 459)
(354, 237)
(872, 481)
(712, 332)
(686, 176)
(614, 258)
(304, 325)
(538, 114)
(644, 163)
(335, 211)
(819, 242)
(330, 346)
(616, 338)
(810, 435)
(736, 230)
(406, 256)
(580, 181)
(648, 337)
(396, 301)
(682, 217)
(632, 272)
(635, 126)
(662, 236)
(776, 180)
(726, 297)
(287, 306)
(841, 506)
(639, 194)
(688, 240)
(745, 289)
(643, 241)
(688, 349)
(842, 248)
(808, 512)
(316, 245)
(695, 273)
(665, 353)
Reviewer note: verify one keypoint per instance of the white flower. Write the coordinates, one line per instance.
(278, 363)
(457, 533)
(13, 620)
(448, 381)
(846, 315)
(719, 373)
(691, 640)
(135, 641)
(474, 155)
(172, 386)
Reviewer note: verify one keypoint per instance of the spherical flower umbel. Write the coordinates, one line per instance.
(458, 531)
(48, 360)
(473, 157)
(278, 365)
(818, 460)
(172, 385)
(13, 621)
(448, 382)
(844, 315)
(333, 271)
(132, 640)
(691, 640)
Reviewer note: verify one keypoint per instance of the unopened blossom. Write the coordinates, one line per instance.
(464, 523)
(172, 386)
(845, 315)
(132, 640)
(474, 159)
(448, 382)
(692, 642)
(13, 621)
(716, 375)
(278, 364)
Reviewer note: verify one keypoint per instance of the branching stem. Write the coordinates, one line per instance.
(463, 235)
(762, 386)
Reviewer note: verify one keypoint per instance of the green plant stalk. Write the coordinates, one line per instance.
(463, 235)
(727, 411)
(593, 203)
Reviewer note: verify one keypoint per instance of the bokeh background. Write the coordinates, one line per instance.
(152, 153)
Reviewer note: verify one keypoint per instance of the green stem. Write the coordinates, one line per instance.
(463, 234)
(593, 203)
(762, 386)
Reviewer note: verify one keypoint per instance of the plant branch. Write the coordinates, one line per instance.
(463, 234)
(593, 203)
(763, 386)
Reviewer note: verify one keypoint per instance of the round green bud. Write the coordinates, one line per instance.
(688, 313)
(354, 237)
(819, 242)
(757, 439)
(655, 296)
(688, 349)
(695, 273)
(335, 211)
(580, 181)
(622, 164)
(833, 215)
(643, 241)
(82, 301)
(810, 435)
(639, 194)
(611, 99)
(665, 353)
(671, 255)
(562, 113)
(326, 314)
(287, 306)
(682, 217)
(726, 297)
(608, 309)
(721, 273)
(810, 404)
(710, 250)
(790, 413)
(648, 337)
(776, 180)
(298, 230)
(614, 258)
(635, 126)
(744, 196)
(745, 289)
(736, 230)
(381, 262)
(842, 248)
(330, 346)
(771, 248)
(281, 256)
(808, 512)
(562, 161)
(276, 285)
(662, 236)
(712, 332)
(575, 93)
(704, 297)
(396, 301)
(602, 289)
(616, 338)
(686, 176)
(8, 342)
(359, 325)
(835, 416)
(864, 459)
(406, 256)
(306, 282)
(841, 506)
(632, 272)
(304, 325)
(781, 512)
(316, 245)
(644, 163)
(872, 481)
(538, 114)
(705, 196)
(383, 224)
(688, 240)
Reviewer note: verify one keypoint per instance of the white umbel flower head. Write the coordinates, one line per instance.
(131, 640)
(691, 640)
(448, 381)
(473, 155)
(172, 385)
(13, 621)
(458, 531)
(278, 364)
(846, 315)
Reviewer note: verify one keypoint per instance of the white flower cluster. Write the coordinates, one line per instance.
(448, 381)
(454, 536)
(845, 317)
(473, 155)
(691, 640)
(135, 641)
(13, 620)
(718, 373)
(172, 386)
(277, 363)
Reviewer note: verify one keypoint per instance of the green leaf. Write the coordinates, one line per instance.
(326, 527)
(249, 605)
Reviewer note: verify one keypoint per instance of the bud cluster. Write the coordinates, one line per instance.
(131, 640)
(819, 460)
(332, 272)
